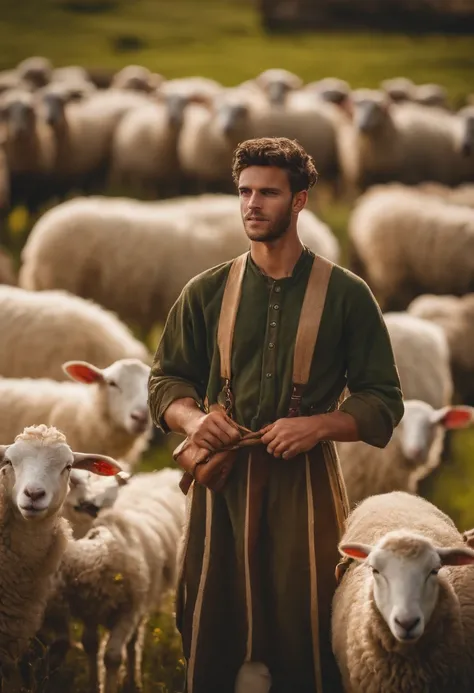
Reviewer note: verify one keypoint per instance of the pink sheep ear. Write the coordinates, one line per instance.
(97, 464)
(456, 557)
(357, 551)
(454, 417)
(83, 372)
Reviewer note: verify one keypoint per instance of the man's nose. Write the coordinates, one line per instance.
(254, 201)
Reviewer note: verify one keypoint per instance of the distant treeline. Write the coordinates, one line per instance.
(455, 16)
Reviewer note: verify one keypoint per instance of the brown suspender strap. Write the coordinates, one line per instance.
(228, 314)
(308, 328)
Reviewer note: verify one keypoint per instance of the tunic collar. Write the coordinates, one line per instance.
(304, 261)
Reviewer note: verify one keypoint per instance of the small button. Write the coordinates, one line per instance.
(269, 375)
(271, 345)
(277, 289)
(276, 307)
(273, 324)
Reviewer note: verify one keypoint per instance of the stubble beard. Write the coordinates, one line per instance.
(274, 231)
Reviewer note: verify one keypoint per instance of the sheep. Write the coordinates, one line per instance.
(330, 89)
(431, 95)
(9, 79)
(158, 246)
(199, 89)
(210, 133)
(455, 315)
(36, 72)
(276, 84)
(116, 576)
(399, 89)
(411, 455)
(405, 142)
(422, 358)
(89, 494)
(105, 410)
(83, 134)
(404, 245)
(460, 195)
(136, 78)
(29, 149)
(144, 153)
(399, 623)
(39, 331)
(34, 473)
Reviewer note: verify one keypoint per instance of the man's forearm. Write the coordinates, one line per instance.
(337, 426)
(183, 415)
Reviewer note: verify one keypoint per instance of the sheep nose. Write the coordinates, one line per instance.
(35, 493)
(140, 416)
(408, 624)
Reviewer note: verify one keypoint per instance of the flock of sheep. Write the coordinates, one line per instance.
(84, 535)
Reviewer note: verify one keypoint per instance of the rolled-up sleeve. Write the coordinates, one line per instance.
(179, 367)
(375, 399)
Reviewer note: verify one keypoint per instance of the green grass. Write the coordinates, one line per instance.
(222, 39)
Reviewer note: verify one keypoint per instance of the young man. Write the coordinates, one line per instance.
(257, 574)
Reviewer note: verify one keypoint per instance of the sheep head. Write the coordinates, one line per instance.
(35, 470)
(417, 428)
(123, 387)
(405, 585)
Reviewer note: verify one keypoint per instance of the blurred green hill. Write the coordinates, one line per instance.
(222, 39)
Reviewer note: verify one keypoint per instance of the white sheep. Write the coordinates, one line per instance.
(399, 89)
(330, 89)
(422, 358)
(34, 474)
(210, 133)
(35, 72)
(83, 133)
(89, 494)
(459, 195)
(157, 246)
(277, 83)
(117, 575)
(144, 155)
(39, 331)
(105, 410)
(455, 315)
(403, 142)
(413, 452)
(431, 95)
(402, 616)
(136, 78)
(404, 245)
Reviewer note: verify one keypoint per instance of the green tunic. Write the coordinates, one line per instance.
(255, 598)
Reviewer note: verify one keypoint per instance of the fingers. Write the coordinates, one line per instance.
(227, 430)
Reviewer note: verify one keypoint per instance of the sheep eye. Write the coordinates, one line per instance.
(435, 571)
(112, 383)
(375, 571)
(68, 467)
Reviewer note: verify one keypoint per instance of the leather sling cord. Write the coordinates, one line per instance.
(306, 336)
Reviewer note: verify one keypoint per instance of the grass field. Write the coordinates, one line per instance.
(222, 39)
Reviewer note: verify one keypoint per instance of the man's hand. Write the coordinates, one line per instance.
(214, 431)
(290, 436)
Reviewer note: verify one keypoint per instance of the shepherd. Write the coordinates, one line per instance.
(252, 368)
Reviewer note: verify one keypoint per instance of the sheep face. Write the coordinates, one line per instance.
(53, 107)
(418, 426)
(230, 117)
(20, 116)
(124, 390)
(404, 578)
(370, 110)
(36, 468)
(88, 495)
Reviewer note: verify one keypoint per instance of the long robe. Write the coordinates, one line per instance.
(257, 575)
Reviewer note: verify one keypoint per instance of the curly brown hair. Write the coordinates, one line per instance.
(277, 151)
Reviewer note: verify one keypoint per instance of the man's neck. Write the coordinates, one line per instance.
(277, 259)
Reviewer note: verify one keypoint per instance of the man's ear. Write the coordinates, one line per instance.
(299, 201)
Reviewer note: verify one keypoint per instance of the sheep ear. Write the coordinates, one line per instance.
(456, 557)
(83, 372)
(122, 478)
(453, 417)
(97, 464)
(357, 551)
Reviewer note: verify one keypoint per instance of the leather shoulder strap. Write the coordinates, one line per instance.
(228, 314)
(310, 318)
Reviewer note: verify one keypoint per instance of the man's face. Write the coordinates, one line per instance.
(266, 202)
